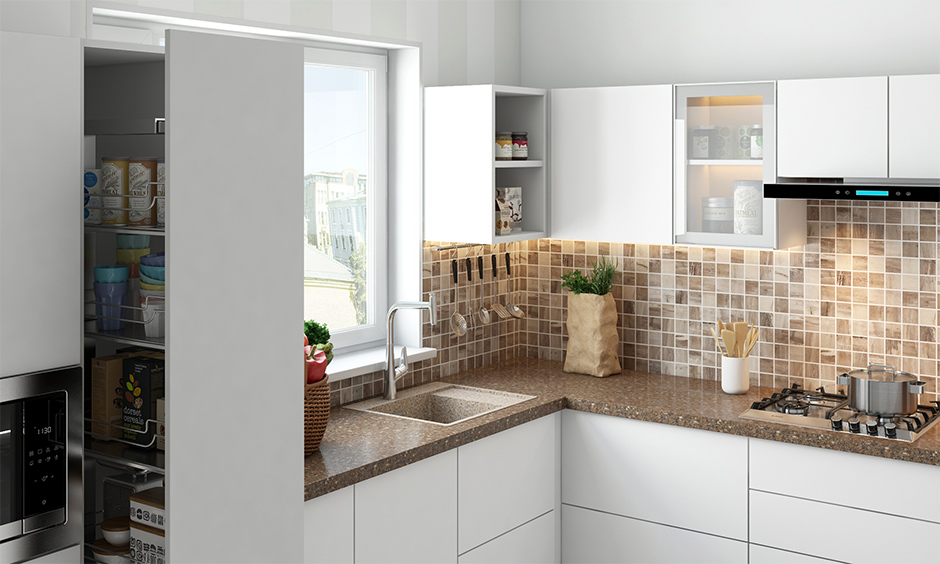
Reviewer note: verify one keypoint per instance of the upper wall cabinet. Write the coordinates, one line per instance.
(833, 128)
(612, 164)
(461, 173)
(724, 153)
(914, 120)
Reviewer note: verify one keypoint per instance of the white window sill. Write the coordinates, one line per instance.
(348, 365)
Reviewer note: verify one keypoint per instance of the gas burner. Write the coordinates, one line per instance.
(793, 405)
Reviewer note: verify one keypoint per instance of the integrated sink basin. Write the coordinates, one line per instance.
(441, 404)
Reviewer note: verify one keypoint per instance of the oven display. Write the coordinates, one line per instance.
(44, 449)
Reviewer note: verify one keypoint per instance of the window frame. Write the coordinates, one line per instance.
(374, 332)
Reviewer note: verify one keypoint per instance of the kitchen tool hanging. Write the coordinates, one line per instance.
(502, 312)
(469, 289)
(458, 324)
(513, 309)
(482, 313)
(882, 390)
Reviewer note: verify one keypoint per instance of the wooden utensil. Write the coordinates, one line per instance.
(740, 336)
(728, 337)
(755, 335)
(717, 341)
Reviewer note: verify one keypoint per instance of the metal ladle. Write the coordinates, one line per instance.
(483, 314)
(514, 310)
(458, 324)
(497, 307)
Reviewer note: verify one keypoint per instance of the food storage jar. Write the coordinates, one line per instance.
(717, 215)
(520, 145)
(503, 145)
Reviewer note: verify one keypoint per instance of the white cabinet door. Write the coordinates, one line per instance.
(506, 480)
(833, 128)
(234, 158)
(773, 465)
(328, 528)
(593, 536)
(682, 477)
(914, 114)
(843, 533)
(533, 542)
(409, 514)
(40, 202)
(758, 554)
(612, 164)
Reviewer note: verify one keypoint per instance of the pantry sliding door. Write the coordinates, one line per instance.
(234, 371)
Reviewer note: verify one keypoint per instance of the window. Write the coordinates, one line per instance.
(345, 143)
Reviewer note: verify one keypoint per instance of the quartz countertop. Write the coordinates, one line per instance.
(359, 445)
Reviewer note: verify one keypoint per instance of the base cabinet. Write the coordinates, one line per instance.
(765, 555)
(533, 542)
(328, 528)
(593, 536)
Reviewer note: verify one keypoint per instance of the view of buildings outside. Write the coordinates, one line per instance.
(336, 196)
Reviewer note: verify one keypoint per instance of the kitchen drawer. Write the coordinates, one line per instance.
(758, 554)
(506, 480)
(328, 528)
(662, 473)
(532, 542)
(843, 533)
(847, 479)
(593, 536)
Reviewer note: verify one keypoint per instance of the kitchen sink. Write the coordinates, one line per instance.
(441, 404)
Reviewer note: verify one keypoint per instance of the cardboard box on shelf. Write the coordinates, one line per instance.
(148, 545)
(141, 385)
(106, 394)
(149, 508)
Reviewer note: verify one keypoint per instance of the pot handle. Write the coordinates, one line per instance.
(891, 369)
(842, 379)
(917, 387)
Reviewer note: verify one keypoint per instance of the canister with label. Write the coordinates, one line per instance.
(113, 190)
(503, 145)
(703, 142)
(161, 192)
(748, 206)
(757, 141)
(142, 173)
(724, 142)
(520, 145)
(91, 184)
(717, 215)
(742, 142)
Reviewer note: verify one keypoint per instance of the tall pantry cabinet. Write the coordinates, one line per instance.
(234, 153)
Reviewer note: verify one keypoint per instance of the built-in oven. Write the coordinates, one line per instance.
(40, 463)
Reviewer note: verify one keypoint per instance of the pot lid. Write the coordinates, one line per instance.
(882, 373)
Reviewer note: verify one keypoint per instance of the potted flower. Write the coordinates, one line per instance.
(593, 342)
(318, 352)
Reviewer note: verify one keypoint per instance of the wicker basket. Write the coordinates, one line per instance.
(316, 414)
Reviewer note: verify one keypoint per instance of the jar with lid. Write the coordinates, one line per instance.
(520, 145)
(503, 145)
(703, 142)
(718, 215)
(757, 141)
(748, 206)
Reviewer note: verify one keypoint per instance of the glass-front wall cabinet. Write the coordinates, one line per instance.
(724, 153)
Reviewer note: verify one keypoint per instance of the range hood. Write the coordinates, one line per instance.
(854, 189)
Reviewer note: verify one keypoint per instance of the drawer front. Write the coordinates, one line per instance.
(328, 528)
(505, 480)
(671, 475)
(850, 479)
(841, 533)
(765, 555)
(533, 542)
(593, 536)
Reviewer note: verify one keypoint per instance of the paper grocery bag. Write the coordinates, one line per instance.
(593, 343)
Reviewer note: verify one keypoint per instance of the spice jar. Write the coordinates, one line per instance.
(718, 215)
(703, 142)
(503, 145)
(757, 141)
(520, 145)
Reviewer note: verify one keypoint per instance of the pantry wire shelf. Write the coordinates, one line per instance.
(143, 310)
(146, 430)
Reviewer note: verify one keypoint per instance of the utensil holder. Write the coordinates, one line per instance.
(735, 375)
(316, 414)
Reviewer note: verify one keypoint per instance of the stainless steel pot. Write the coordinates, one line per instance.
(882, 391)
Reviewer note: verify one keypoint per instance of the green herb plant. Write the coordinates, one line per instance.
(316, 333)
(600, 282)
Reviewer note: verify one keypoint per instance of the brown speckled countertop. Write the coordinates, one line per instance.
(359, 445)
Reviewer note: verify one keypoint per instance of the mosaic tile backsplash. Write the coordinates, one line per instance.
(863, 290)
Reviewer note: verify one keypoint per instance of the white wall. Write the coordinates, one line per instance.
(464, 41)
(567, 43)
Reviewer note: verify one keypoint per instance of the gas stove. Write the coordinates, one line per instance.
(819, 409)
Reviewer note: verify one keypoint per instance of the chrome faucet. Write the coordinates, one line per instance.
(392, 373)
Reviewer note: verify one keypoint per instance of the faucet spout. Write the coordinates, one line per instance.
(393, 374)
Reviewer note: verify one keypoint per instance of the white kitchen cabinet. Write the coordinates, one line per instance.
(532, 542)
(595, 536)
(773, 466)
(612, 164)
(507, 479)
(686, 478)
(718, 190)
(461, 172)
(40, 213)
(844, 533)
(914, 120)
(833, 128)
(409, 514)
(328, 528)
(758, 554)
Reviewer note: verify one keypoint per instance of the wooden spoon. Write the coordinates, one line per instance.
(754, 336)
(717, 341)
(740, 336)
(729, 338)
